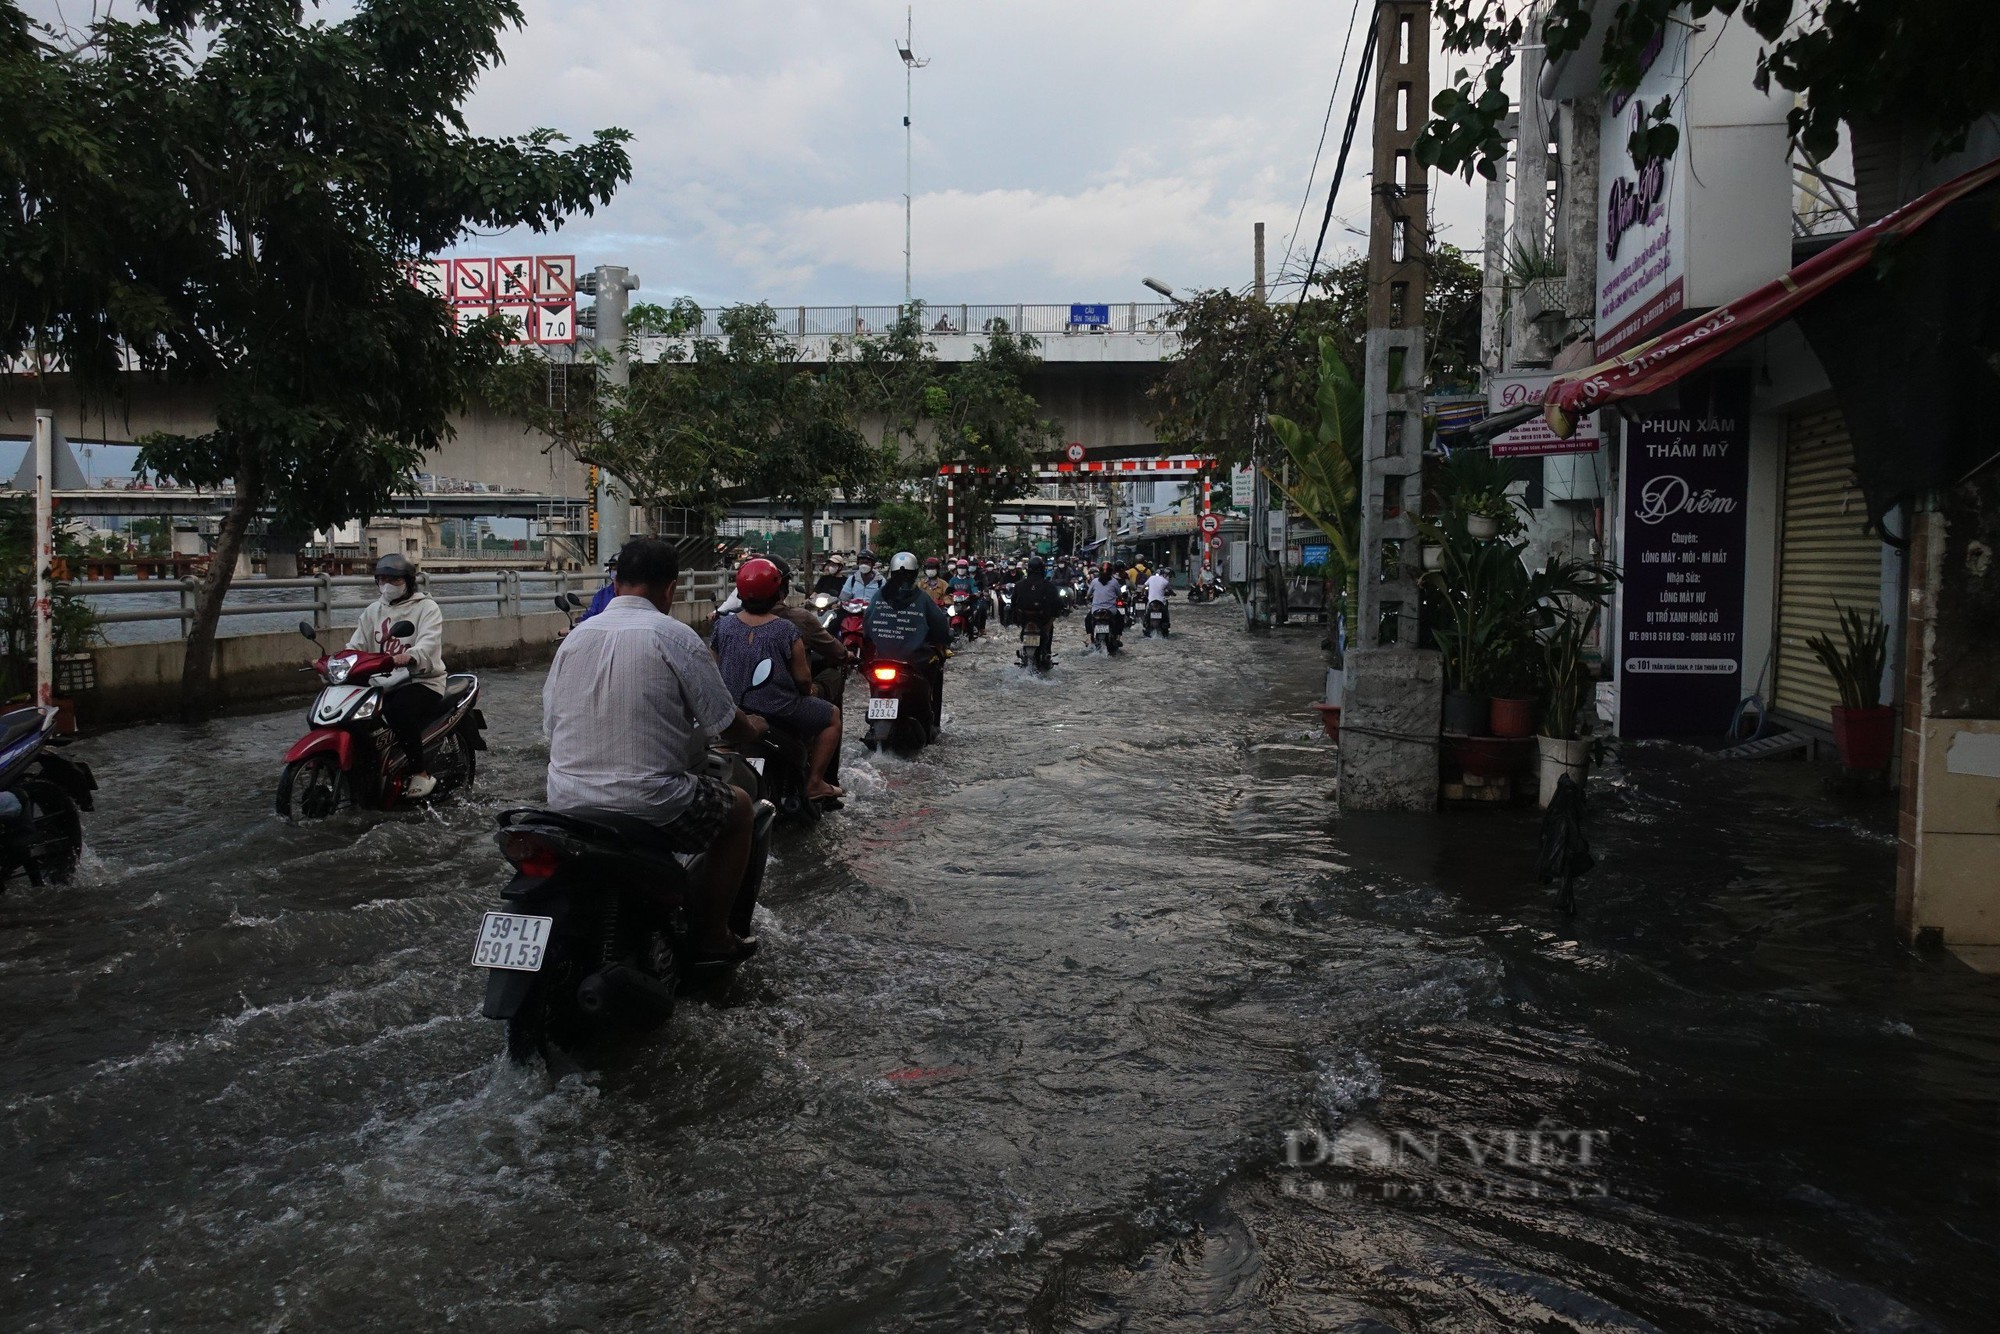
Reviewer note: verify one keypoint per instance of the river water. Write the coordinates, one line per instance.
(1052, 1029)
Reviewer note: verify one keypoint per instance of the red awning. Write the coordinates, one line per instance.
(1655, 364)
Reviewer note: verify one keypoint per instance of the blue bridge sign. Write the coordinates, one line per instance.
(1090, 315)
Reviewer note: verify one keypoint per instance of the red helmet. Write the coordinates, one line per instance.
(758, 578)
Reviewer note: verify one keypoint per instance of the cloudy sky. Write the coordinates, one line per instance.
(1063, 150)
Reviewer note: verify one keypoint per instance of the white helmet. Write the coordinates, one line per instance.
(903, 560)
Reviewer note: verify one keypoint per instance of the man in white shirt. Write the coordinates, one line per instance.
(631, 702)
(1158, 589)
(864, 583)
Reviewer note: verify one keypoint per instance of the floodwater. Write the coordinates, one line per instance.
(1052, 1029)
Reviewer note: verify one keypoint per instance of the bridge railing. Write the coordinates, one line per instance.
(323, 597)
(1042, 319)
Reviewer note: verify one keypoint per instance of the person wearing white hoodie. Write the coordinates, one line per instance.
(409, 710)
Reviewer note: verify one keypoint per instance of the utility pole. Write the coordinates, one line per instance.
(1257, 609)
(1389, 725)
(907, 50)
(45, 556)
(613, 286)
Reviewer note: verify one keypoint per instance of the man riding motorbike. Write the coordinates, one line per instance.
(602, 597)
(785, 700)
(409, 710)
(1158, 589)
(933, 581)
(1036, 600)
(864, 583)
(832, 578)
(823, 651)
(630, 703)
(1104, 600)
(965, 580)
(923, 650)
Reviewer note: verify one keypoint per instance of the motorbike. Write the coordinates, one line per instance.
(596, 929)
(963, 623)
(1104, 634)
(1031, 655)
(783, 764)
(1156, 618)
(42, 797)
(853, 616)
(825, 608)
(350, 756)
(899, 707)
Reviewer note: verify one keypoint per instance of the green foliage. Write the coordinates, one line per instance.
(1241, 359)
(1326, 461)
(1855, 664)
(981, 413)
(231, 192)
(1932, 64)
(1493, 608)
(1566, 673)
(75, 625)
(906, 525)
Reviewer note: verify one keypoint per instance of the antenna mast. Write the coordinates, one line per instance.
(907, 50)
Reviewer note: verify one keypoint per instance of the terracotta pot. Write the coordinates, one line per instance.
(1465, 713)
(1513, 717)
(1329, 718)
(1557, 758)
(1482, 526)
(1864, 736)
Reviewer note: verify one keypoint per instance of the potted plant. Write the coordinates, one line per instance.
(1516, 680)
(1485, 511)
(1562, 748)
(1864, 728)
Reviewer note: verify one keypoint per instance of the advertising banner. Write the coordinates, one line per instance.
(1685, 511)
(1535, 436)
(1642, 260)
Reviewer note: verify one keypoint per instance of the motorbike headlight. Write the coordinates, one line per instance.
(338, 668)
(368, 708)
(822, 601)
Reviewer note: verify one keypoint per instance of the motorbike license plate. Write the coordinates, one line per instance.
(507, 940)
(1154, 616)
(879, 709)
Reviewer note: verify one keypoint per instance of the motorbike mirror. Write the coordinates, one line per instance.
(402, 629)
(762, 674)
(306, 628)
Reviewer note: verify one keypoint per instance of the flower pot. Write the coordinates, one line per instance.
(1482, 526)
(1864, 736)
(1329, 718)
(1485, 756)
(1559, 757)
(1465, 713)
(1513, 717)
(1433, 558)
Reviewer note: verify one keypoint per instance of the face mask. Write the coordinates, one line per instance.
(390, 591)
(867, 569)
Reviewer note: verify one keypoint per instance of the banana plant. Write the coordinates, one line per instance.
(1324, 483)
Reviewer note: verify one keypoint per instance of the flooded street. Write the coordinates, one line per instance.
(1093, 1016)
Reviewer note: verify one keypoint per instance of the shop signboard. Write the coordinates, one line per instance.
(1241, 487)
(1642, 255)
(1533, 437)
(1684, 521)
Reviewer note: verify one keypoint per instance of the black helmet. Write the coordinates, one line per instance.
(1035, 567)
(395, 565)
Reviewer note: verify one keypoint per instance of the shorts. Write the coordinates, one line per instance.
(695, 828)
(805, 716)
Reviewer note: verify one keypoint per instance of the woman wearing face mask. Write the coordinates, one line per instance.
(409, 710)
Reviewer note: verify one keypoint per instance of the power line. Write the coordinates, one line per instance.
(1340, 164)
(1332, 97)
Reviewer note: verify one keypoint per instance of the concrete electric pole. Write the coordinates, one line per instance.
(907, 50)
(613, 286)
(1257, 607)
(1389, 724)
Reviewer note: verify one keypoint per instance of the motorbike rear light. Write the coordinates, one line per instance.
(530, 853)
(884, 673)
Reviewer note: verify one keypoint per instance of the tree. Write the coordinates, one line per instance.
(1325, 453)
(1932, 64)
(1241, 359)
(907, 525)
(266, 181)
(982, 415)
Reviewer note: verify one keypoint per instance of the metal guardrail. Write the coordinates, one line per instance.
(1043, 319)
(508, 591)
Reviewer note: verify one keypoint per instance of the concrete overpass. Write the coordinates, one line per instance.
(1093, 380)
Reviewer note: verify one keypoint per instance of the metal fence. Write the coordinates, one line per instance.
(1042, 320)
(320, 597)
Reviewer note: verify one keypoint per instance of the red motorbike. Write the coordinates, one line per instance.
(351, 756)
(853, 612)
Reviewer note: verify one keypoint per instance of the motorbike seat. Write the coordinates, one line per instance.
(18, 726)
(618, 832)
(458, 684)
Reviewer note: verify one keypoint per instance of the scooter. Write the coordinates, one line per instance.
(596, 930)
(959, 609)
(350, 755)
(853, 617)
(42, 795)
(826, 610)
(784, 765)
(1104, 635)
(1156, 618)
(899, 707)
(1031, 655)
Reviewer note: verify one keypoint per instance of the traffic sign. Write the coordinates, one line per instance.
(472, 281)
(1211, 524)
(1074, 453)
(556, 322)
(555, 276)
(514, 279)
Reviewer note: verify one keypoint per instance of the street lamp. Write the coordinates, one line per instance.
(911, 64)
(1162, 289)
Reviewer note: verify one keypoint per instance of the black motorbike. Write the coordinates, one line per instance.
(596, 931)
(899, 707)
(42, 796)
(1156, 619)
(1106, 631)
(1032, 655)
(784, 765)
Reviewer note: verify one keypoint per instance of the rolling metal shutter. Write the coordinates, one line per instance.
(1825, 557)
